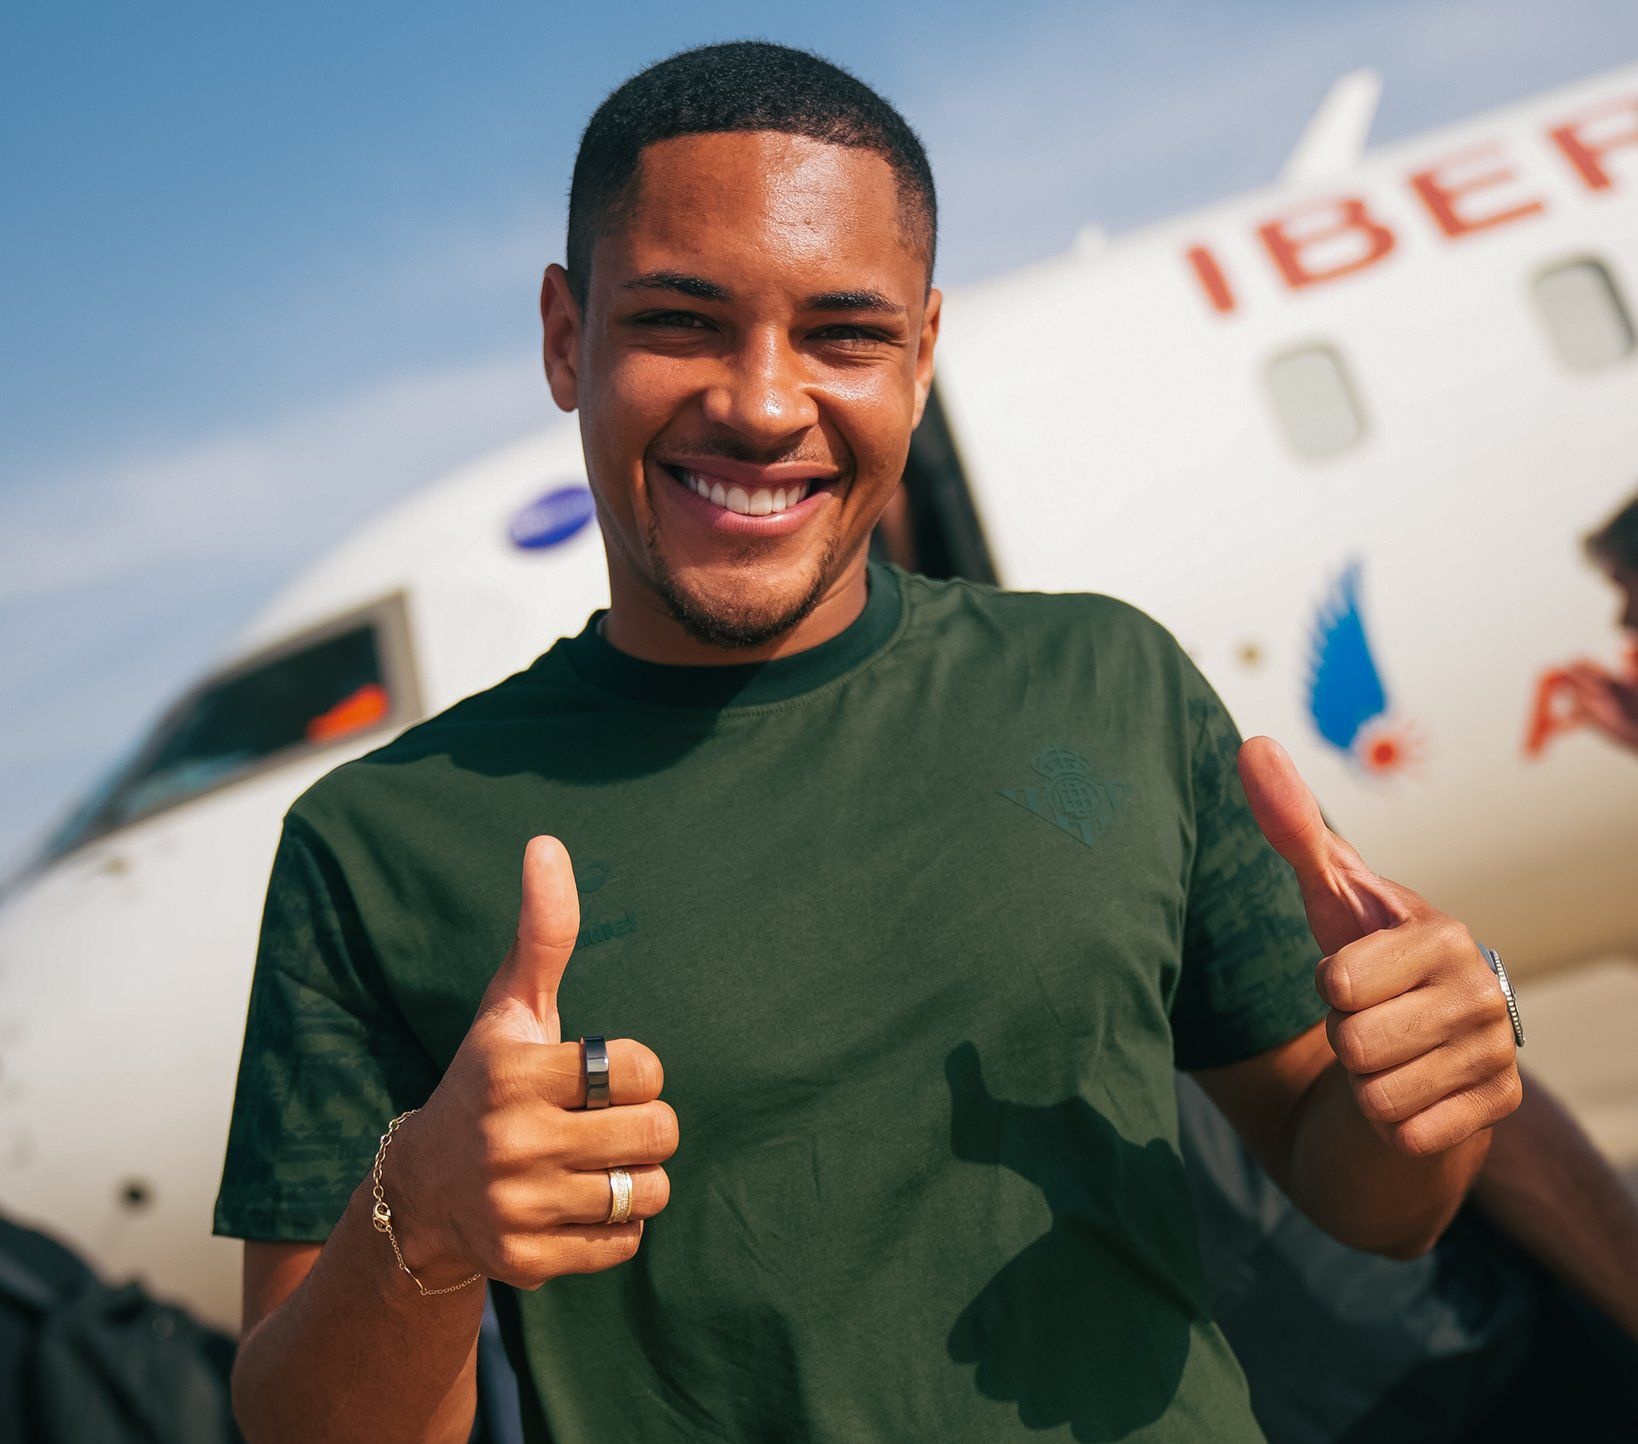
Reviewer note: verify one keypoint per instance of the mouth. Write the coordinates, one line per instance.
(743, 501)
(738, 498)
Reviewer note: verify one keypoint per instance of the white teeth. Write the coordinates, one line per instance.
(760, 502)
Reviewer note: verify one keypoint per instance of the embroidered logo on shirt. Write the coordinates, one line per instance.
(594, 933)
(1071, 799)
(589, 876)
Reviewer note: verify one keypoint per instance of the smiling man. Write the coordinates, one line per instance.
(924, 890)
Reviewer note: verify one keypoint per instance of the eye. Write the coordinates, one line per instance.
(851, 335)
(671, 321)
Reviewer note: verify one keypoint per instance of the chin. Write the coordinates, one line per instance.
(738, 607)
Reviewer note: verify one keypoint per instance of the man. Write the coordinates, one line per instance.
(922, 889)
(1601, 698)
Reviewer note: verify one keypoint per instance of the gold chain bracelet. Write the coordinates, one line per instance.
(381, 1216)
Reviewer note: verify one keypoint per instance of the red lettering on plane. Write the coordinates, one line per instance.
(1586, 153)
(1327, 240)
(1444, 194)
(1212, 280)
(1343, 230)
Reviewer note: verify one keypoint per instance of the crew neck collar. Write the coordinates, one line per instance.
(741, 684)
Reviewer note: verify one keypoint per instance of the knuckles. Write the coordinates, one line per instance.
(658, 1186)
(660, 1133)
(1451, 939)
(1418, 1137)
(1509, 1091)
(515, 1260)
(1351, 1042)
(527, 1261)
(1378, 1100)
(1335, 985)
(646, 1073)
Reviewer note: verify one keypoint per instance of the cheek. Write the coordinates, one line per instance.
(874, 410)
(878, 431)
(630, 404)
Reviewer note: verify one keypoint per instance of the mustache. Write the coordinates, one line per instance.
(728, 448)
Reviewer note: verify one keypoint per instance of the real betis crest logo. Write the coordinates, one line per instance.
(1070, 798)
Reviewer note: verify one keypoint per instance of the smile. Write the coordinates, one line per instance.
(753, 501)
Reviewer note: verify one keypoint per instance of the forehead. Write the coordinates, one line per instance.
(763, 200)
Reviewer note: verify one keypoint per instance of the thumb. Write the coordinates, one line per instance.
(548, 921)
(1344, 899)
(1285, 809)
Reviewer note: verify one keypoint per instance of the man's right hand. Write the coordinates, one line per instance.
(503, 1172)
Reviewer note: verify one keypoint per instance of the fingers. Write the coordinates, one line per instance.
(582, 1248)
(1455, 1119)
(1397, 1095)
(1393, 1032)
(1392, 961)
(589, 1195)
(617, 1137)
(526, 1261)
(556, 1072)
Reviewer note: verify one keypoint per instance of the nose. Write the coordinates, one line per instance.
(763, 393)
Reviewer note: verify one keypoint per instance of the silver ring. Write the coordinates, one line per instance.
(1493, 958)
(619, 1196)
(594, 1063)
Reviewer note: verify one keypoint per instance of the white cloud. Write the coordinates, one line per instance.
(269, 491)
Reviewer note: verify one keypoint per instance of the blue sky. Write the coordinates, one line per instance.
(267, 268)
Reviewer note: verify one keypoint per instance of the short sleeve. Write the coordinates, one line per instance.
(1247, 978)
(327, 1059)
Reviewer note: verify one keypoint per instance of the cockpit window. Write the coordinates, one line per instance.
(338, 682)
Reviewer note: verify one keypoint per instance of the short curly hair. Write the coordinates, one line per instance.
(742, 85)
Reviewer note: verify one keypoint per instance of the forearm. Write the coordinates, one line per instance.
(356, 1353)
(1548, 1188)
(1361, 1189)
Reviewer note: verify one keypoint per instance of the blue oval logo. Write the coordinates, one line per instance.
(552, 519)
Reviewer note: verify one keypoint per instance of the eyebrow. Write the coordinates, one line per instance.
(853, 301)
(694, 286)
(699, 289)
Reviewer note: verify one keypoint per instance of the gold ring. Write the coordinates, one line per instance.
(619, 1196)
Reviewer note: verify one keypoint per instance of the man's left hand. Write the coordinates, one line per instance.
(1418, 1020)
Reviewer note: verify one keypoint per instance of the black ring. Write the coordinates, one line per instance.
(594, 1063)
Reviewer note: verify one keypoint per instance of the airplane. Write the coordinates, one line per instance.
(1341, 435)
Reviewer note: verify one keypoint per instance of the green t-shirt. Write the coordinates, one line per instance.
(919, 922)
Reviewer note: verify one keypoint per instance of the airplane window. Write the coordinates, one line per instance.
(1585, 315)
(1317, 405)
(324, 689)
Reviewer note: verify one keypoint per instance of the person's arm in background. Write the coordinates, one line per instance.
(1546, 1186)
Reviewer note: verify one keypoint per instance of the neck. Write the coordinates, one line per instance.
(639, 624)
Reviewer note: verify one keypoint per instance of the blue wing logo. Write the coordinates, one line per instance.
(1346, 697)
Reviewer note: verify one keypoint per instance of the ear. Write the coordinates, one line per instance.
(560, 337)
(924, 352)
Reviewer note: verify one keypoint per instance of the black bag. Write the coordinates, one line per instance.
(107, 1365)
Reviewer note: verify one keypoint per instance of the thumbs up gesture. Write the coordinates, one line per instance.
(1418, 1020)
(502, 1172)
